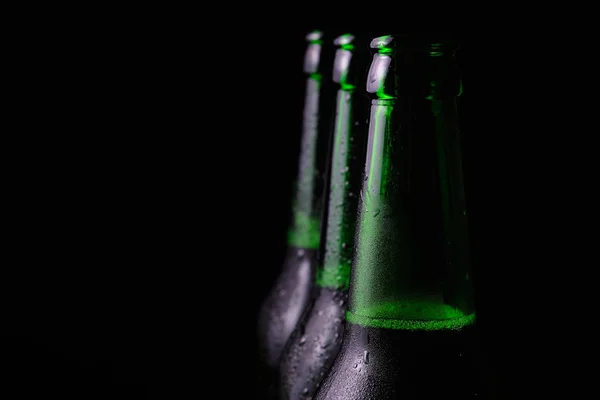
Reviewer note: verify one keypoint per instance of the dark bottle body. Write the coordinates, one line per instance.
(314, 344)
(291, 292)
(282, 310)
(392, 364)
(410, 325)
(316, 340)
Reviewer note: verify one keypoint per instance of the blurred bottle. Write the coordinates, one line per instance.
(291, 292)
(317, 338)
(410, 327)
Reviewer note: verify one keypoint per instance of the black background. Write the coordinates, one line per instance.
(153, 193)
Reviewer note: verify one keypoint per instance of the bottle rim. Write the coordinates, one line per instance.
(429, 42)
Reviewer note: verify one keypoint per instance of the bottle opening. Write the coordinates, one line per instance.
(435, 44)
(344, 41)
(314, 36)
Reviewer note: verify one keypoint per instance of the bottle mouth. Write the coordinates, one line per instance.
(344, 41)
(434, 44)
(314, 36)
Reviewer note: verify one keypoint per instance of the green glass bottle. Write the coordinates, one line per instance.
(316, 340)
(287, 300)
(410, 326)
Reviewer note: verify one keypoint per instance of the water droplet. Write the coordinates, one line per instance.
(343, 245)
(366, 357)
(355, 365)
(376, 213)
(302, 340)
(300, 252)
(342, 302)
(305, 391)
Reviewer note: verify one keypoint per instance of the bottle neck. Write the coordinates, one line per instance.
(307, 200)
(411, 264)
(344, 183)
